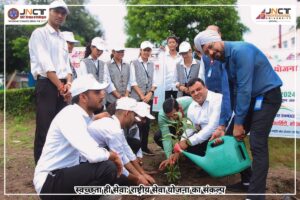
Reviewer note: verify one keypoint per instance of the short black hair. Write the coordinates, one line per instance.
(194, 80)
(111, 109)
(75, 99)
(173, 37)
(170, 104)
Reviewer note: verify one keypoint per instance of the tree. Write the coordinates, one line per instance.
(80, 22)
(156, 23)
(298, 22)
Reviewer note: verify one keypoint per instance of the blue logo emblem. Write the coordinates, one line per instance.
(13, 13)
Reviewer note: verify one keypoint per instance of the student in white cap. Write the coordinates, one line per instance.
(119, 72)
(143, 83)
(108, 131)
(187, 68)
(91, 64)
(69, 37)
(50, 66)
(59, 168)
(257, 98)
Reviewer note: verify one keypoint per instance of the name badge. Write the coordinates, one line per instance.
(209, 72)
(258, 103)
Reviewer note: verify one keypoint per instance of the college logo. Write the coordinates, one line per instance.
(270, 14)
(275, 13)
(13, 13)
(26, 14)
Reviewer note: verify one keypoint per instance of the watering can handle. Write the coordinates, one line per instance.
(212, 143)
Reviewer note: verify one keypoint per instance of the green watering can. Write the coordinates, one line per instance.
(229, 157)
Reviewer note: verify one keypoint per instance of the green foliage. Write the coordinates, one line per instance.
(20, 50)
(173, 174)
(156, 23)
(18, 101)
(298, 22)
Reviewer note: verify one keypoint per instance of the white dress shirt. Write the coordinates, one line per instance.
(201, 73)
(108, 133)
(207, 116)
(133, 77)
(48, 53)
(169, 66)
(66, 141)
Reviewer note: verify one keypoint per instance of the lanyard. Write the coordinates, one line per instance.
(145, 70)
(186, 74)
(118, 66)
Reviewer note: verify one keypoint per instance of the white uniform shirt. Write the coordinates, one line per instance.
(48, 52)
(207, 116)
(169, 66)
(133, 77)
(106, 77)
(201, 73)
(66, 141)
(108, 133)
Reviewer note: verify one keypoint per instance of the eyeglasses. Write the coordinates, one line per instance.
(147, 49)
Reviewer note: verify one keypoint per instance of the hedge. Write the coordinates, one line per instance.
(18, 101)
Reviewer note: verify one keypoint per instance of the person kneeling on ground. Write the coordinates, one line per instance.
(108, 132)
(58, 169)
(204, 112)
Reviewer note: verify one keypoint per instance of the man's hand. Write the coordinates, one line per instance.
(239, 132)
(164, 164)
(116, 159)
(149, 178)
(220, 131)
(142, 180)
(173, 158)
(183, 144)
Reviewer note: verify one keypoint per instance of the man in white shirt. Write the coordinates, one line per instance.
(109, 132)
(59, 168)
(204, 112)
(50, 66)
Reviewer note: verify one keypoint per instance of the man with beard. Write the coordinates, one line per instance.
(50, 65)
(257, 98)
(59, 169)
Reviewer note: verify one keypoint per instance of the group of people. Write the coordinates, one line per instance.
(92, 123)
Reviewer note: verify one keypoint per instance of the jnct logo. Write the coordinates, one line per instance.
(13, 13)
(275, 13)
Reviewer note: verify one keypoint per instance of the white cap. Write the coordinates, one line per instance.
(184, 47)
(146, 44)
(85, 83)
(205, 37)
(98, 43)
(143, 110)
(119, 48)
(69, 36)
(59, 4)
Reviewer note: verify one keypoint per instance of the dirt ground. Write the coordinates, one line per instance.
(20, 168)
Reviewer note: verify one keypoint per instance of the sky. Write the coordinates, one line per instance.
(111, 14)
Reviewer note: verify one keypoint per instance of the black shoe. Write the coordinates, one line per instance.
(238, 187)
(148, 152)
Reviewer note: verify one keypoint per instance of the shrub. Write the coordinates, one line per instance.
(18, 101)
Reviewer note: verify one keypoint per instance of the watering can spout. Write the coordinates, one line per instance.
(198, 160)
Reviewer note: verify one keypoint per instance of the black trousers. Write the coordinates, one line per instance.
(48, 104)
(84, 174)
(171, 93)
(144, 129)
(259, 124)
(134, 144)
